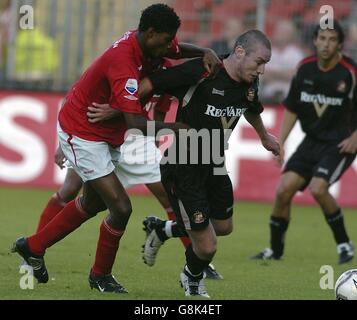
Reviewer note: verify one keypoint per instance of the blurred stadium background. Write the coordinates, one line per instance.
(38, 66)
(70, 34)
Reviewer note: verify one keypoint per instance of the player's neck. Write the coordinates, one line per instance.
(141, 41)
(327, 65)
(228, 65)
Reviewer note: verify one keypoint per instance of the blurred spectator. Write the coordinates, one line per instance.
(351, 41)
(4, 32)
(286, 54)
(36, 60)
(233, 27)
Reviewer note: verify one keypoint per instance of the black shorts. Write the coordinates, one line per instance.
(319, 159)
(196, 194)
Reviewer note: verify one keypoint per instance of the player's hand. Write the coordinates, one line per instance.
(348, 145)
(271, 143)
(60, 158)
(279, 160)
(211, 62)
(100, 112)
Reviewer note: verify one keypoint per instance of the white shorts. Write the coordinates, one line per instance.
(90, 159)
(136, 161)
(139, 161)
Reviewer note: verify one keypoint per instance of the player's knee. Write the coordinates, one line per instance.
(317, 191)
(92, 208)
(122, 209)
(283, 193)
(208, 252)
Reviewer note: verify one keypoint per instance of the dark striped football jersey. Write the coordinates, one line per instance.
(325, 102)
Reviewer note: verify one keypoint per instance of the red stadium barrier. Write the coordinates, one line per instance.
(28, 142)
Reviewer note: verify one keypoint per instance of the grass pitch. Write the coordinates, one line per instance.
(309, 245)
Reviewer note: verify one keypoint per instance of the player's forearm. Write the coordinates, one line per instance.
(256, 122)
(145, 89)
(287, 125)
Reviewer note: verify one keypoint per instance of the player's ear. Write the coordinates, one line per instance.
(239, 51)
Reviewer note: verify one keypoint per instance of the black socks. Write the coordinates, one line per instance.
(194, 264)
(337, 226)
(278, 227)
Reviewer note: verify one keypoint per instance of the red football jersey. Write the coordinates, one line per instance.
(112, 78)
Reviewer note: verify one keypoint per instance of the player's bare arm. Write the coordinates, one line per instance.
(288, 123)
(210, 59)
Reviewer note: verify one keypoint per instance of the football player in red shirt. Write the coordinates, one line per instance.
(91, 148)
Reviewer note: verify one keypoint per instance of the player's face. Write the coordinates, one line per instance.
(158, 43)
(250, 66)
(327, 44)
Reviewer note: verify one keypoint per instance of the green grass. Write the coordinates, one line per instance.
(309, 246)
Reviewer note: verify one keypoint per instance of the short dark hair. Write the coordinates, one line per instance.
(248, 39)
(336, 26)
(161, 18)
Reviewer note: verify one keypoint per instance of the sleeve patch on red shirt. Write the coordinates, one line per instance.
(131, 86)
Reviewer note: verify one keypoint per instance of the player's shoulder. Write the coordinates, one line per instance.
(349, 64)
(307, 62)
(125, 44)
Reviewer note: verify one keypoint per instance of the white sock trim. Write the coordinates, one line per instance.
(193, 275)
(168, 228)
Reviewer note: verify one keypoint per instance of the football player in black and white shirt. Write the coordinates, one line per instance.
(323, 98)
(195, 179)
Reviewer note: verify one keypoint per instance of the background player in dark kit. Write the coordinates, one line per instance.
(323, 98)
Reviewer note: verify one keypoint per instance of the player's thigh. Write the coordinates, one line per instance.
(71, 186)
(290, 182)
(112, 192)
(158, 190)
(139, 161)
(223, 227)
(91, 201)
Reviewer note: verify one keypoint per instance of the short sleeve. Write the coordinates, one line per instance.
(124, 84)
